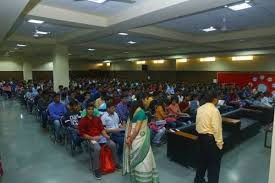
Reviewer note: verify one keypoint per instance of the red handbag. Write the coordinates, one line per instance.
(106, 160)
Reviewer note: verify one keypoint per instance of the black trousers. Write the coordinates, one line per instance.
(209, 160)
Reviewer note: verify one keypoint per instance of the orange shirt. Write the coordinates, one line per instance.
(160, 113)
(174, 109)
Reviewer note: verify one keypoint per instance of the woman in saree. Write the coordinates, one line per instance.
(138, 158)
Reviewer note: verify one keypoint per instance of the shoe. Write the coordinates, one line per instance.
(97, 174)
(118, 166)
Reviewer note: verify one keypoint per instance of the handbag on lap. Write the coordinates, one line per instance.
(106, 160)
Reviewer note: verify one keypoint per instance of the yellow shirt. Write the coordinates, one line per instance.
(160, 113)
(209, 121)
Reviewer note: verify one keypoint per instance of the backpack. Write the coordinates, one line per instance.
(106, 160)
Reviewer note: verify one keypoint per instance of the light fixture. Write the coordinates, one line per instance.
(91, 49)
(208, 59)
(209, 29)
(21, 45)
(242, 58)
(141, 62)
(132, 59)
(132, 42)
(42, 32)
(182, 60)
(158, 61)
(108, 64)
(123, 34)
(241, 6)
(35, 21)
(107, 61)
(99, 65)
(97, 1)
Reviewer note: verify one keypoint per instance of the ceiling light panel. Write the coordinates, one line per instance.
(21, 45)
(35, 21)
(97, 1)
(182, 60)
(208, 59)
(141, 62)
(158, 61)
(123, 34)
(210, 29)
(242, 58)
(132, 42)
(238, 7)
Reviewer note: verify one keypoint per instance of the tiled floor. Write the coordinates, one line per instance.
(30, 157)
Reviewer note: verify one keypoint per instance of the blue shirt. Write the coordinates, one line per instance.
(122, 111)
(56, 110)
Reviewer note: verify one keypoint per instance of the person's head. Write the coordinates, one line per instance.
(111, 108)
(73, 105)
(56, 98)
(90, 109)
(212, 98)
(60, 87)
(136, 104)
(124, 99)
(174, 100)
(87, 95)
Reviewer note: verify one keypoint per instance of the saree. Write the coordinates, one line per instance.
(139, 161)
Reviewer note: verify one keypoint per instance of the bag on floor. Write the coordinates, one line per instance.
(106, 160)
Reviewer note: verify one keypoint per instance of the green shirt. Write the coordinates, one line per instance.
(84, 113)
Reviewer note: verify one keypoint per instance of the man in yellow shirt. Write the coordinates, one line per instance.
(209, 127)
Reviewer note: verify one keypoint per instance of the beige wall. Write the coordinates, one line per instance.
(10, 64)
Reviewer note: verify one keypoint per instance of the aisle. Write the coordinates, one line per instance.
(30, 157)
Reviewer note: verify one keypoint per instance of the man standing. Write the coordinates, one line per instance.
(122, 109)
(209, 127)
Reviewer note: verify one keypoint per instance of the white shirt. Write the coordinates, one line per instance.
(110, 121)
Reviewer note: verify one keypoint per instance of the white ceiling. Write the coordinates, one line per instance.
(164, 28)
(108, 8)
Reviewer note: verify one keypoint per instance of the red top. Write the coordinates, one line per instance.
(92, 127)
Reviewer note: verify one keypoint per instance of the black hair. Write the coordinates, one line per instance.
(73, 102)
(211, 96)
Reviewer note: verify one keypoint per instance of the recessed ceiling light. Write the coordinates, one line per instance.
(208, 59)
(36, 21)
(21, 45)
(132, 42)
(126, 52)
(241, 6)
(210, 29)
(107, 61)
(97, 1)
(42, 32)
(242, 58)
(123, 34)
(91, 49)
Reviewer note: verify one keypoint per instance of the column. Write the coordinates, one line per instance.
(272, 159)
(61, 67)
(27, 71)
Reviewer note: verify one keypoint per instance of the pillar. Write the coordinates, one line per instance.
(272, 159)
(27, 71)
(61, 67)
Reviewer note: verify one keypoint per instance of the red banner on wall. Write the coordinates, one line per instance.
(261, 81)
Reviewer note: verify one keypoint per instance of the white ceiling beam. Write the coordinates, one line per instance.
(65, 15)
(10, 11)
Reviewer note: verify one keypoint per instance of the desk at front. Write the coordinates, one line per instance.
(182, 146)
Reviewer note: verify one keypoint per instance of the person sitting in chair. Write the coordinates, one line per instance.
(92, 129)
(70, 122)
(112, 124)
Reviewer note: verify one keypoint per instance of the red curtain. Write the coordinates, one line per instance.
(262, 81)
